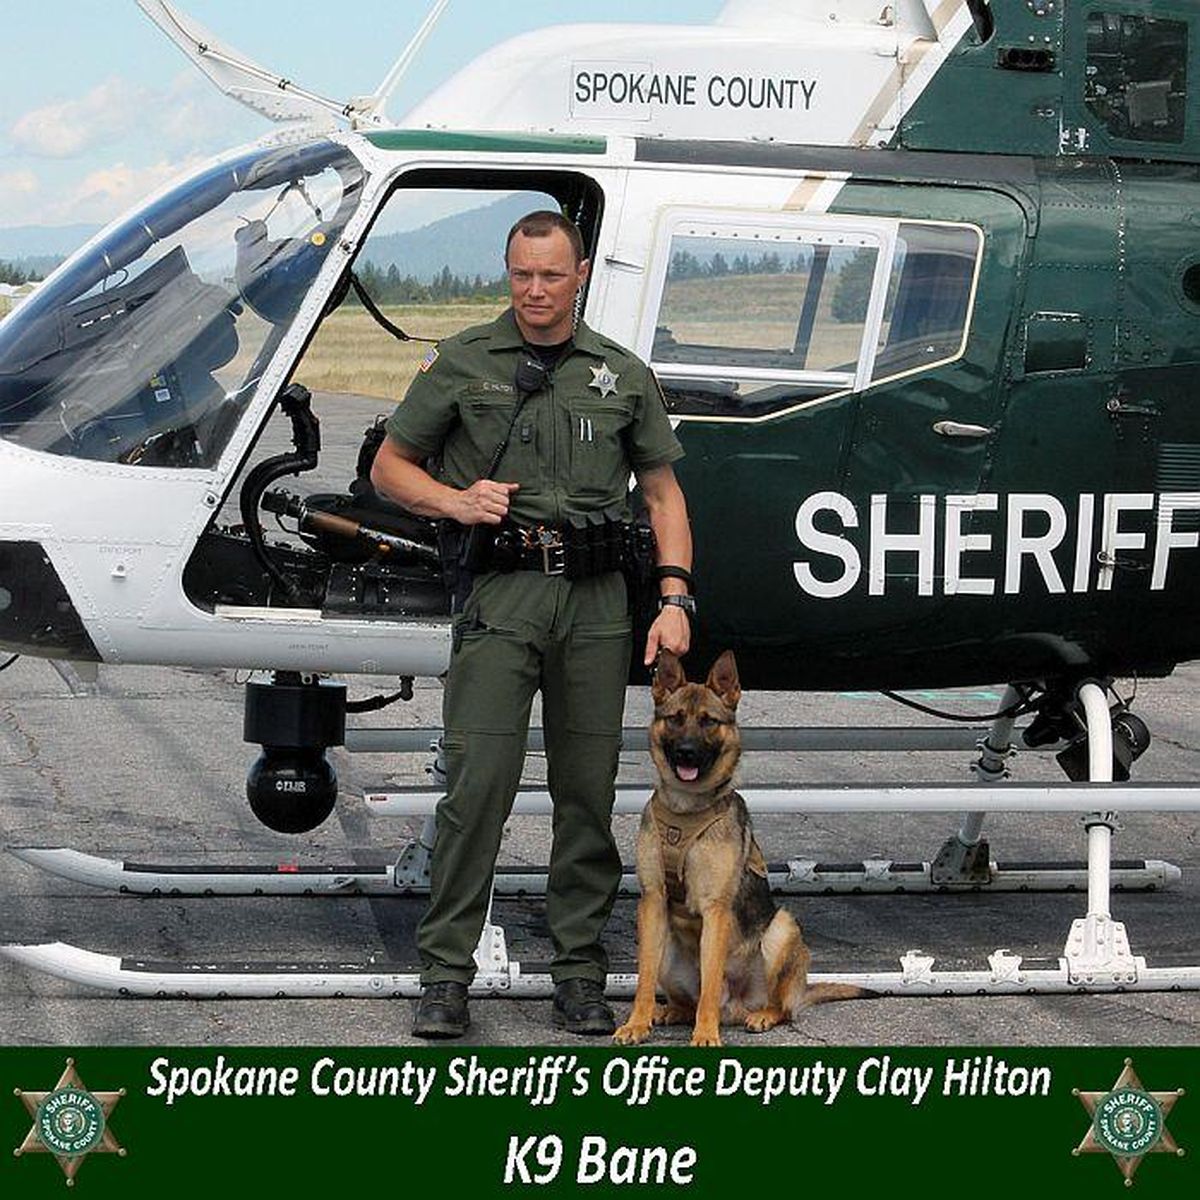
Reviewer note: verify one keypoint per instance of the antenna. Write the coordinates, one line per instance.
(373, 105)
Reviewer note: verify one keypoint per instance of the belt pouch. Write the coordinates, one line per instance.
(477, 549)
(577, 548)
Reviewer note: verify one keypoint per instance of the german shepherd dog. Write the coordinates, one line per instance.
(709, 932)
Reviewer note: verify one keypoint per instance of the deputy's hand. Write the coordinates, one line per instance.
(485, 502)
(671, 631)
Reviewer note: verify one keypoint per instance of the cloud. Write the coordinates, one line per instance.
(181, 118)
(101, 195)
(89, 158)
(17, 183)
(104, 115)
(109, 191)
(192, 113)
(18, 197)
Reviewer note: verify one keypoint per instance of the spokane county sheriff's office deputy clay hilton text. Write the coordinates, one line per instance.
(549, 1080)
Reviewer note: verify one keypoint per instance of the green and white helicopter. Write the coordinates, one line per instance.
(920, 280)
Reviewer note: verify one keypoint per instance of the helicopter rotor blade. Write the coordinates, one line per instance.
(269, 94)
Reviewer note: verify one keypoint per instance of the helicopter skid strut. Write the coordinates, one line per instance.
(1097, 956)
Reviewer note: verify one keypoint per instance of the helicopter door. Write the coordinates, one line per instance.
(760, 344)
(928, 530)
(818, 364)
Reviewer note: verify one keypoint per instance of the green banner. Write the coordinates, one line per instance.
(921, 1122)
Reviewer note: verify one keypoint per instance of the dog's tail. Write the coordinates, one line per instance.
(798, 992)
(825, 993)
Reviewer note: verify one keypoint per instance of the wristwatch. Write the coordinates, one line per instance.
(687, 603)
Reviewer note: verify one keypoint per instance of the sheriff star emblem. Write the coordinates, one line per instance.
(1128, 1122)
(70, 1122)
(603, 380)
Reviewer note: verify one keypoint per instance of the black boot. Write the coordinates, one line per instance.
(442, 1011)
(580, 1007)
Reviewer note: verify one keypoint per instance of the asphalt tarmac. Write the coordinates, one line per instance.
(150, 768)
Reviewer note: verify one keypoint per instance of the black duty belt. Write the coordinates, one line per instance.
(542, 549)
(585, 546)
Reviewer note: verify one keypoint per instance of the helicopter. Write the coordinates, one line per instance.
(920, 283)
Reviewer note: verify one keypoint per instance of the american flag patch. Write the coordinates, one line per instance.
(429, 359)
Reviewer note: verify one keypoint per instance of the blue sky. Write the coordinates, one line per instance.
(98, 108)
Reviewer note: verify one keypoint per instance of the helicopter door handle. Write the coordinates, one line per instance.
(956, 429)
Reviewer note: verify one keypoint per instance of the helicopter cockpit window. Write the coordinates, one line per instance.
(1136, 80)
(753, 320)
(144, 350)
(928, 299)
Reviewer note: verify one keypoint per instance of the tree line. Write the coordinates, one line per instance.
(851, 285)
(15, 275)
(388, 286)
(686, 265)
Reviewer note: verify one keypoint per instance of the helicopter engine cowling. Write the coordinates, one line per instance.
(292, 786)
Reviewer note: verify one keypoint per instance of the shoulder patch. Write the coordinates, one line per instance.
(430, 358)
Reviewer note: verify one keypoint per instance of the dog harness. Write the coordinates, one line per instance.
(678, 832)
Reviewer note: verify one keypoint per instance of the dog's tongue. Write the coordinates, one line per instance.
(688, 774)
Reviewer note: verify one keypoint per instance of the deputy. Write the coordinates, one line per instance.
(595, 415)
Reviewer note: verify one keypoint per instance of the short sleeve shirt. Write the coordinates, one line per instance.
(575, 442)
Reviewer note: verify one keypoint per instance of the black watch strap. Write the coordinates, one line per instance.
(670, 572)
(687, 603)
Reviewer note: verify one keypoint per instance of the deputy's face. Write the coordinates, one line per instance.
(543, 279)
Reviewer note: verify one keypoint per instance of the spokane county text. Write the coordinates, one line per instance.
(623, 88)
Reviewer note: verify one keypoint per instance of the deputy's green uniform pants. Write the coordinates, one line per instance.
(519, 633)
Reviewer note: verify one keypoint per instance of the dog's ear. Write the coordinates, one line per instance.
(723, 679)
(668, 676)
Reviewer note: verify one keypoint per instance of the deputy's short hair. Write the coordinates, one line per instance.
(543, 223)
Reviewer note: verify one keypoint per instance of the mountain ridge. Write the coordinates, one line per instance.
(469, 243)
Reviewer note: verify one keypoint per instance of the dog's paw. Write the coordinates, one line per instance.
(631, 1033)
(668, 1014)
(706, 1037)
(763, 1019)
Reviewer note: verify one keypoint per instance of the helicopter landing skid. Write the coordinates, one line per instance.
(1006, 974)
(409, 876)
(1097, 955)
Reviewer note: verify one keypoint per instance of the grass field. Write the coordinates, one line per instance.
(758, 312)
(352, 354)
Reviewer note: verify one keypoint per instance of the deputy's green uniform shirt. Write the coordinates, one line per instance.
(575, 441)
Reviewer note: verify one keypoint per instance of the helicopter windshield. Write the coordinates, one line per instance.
(145, 349)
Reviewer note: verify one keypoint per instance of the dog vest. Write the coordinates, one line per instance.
(678, 832)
